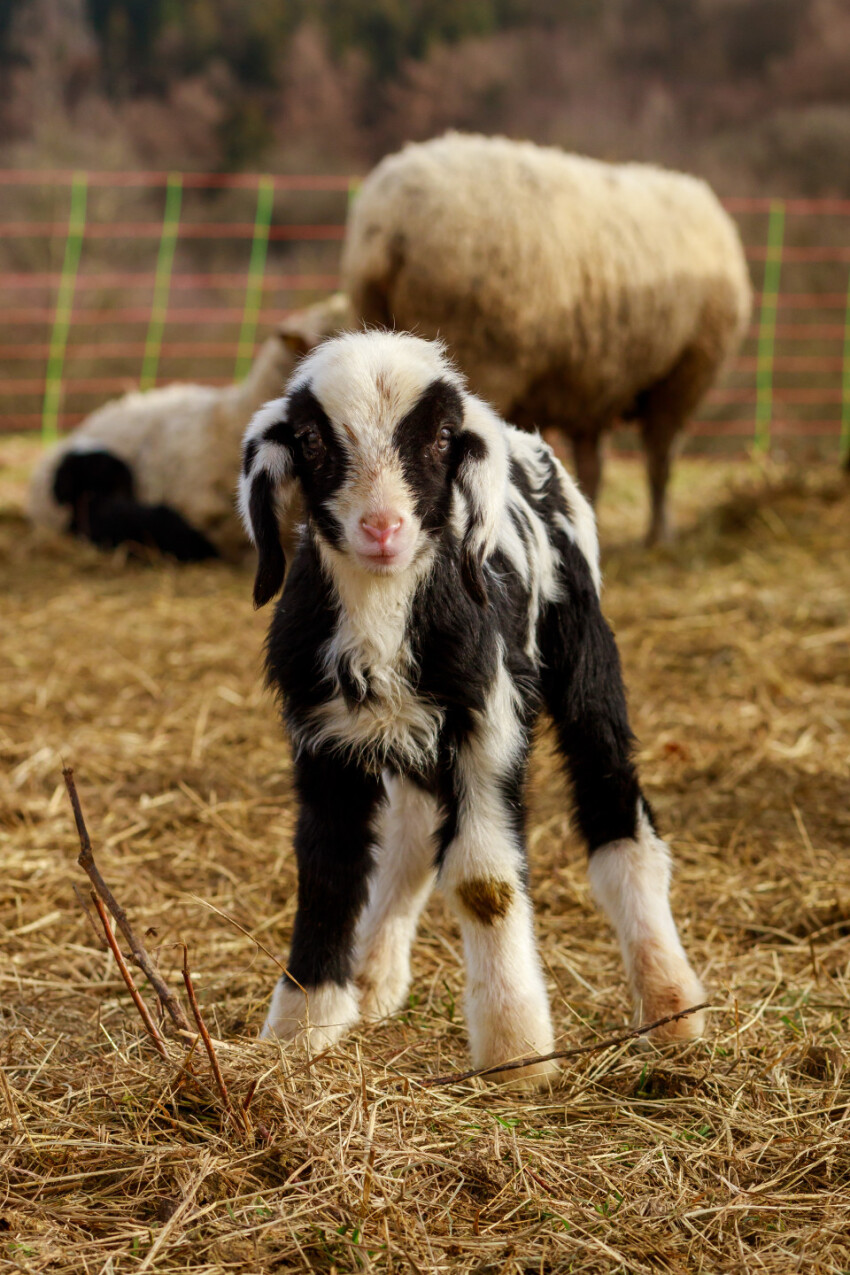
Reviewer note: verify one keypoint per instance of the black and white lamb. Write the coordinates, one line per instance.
(443, 589)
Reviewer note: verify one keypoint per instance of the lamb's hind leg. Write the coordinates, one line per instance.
(400, 885)
(629, 864)
(630, 879)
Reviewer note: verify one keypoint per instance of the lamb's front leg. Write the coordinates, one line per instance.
(406, 850)
(483, 875)
(333, 840)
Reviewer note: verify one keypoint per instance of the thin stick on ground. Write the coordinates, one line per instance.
(144, 1013)
(137, 948)
(237, 1118)
(575, 1052)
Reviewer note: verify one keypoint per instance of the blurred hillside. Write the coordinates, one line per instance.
(754, 94)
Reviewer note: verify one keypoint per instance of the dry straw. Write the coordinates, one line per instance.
(732, 1154)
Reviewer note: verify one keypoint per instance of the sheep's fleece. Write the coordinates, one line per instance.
(571, 292)
(182, 442)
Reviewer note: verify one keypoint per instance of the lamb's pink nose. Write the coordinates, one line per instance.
(382, 526)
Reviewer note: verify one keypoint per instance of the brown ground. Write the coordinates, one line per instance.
(731, 1155)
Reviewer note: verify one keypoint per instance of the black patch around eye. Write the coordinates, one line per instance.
(322, 476)
(428, 473)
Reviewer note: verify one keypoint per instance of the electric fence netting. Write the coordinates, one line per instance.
(118, 281)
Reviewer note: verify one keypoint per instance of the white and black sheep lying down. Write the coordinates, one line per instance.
(443, 589)
(155, 470)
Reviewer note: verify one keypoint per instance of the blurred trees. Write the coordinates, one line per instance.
(750, 92)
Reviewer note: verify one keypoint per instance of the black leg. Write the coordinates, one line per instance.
(583, 688)
(333, 847)
(629, 863)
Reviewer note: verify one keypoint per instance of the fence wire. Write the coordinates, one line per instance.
(118, 281)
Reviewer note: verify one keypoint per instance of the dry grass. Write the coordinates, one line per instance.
(733, 1154)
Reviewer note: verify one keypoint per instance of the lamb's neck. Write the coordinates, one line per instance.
(373, 615)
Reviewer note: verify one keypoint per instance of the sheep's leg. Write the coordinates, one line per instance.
(333, 841)
(587, 452)
(483, 875)
(629, 865)
(403, 879)
(664, 409)
(658, 438)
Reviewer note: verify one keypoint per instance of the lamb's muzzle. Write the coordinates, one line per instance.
(442, 589)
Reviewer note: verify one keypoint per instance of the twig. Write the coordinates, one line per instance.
(238, 1119)
(597, 1047)
(144, 1013)
(137, 948)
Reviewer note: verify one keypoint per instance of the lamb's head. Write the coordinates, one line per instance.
(389, 454)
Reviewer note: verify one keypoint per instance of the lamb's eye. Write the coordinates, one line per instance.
(443, 440)
(312, 447)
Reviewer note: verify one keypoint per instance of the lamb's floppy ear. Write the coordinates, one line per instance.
(266, 488)
(482, 479)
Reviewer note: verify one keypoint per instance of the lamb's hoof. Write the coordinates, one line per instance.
(672, 999)
(314, 1021)
(379, 1002)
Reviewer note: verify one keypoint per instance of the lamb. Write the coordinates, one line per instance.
(157, 469)
(573, 293)
(442, 590)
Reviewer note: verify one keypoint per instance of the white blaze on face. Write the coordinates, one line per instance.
(367, 383)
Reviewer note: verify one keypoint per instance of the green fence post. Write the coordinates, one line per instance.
(162, 282)
(767, 326)
(844, 443)
(64, 306)
(256, 270)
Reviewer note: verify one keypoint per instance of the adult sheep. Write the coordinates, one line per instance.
(156, 469)
(573, 293)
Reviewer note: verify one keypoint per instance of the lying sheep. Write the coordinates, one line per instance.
(157, 469)
(573, 293)
(443, 589)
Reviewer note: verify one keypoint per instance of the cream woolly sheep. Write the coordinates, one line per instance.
(571, 292)
(158, 467)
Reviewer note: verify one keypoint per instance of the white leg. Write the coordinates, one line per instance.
(507, 1006)
(401, 882)
(319, 1019)
(506, 1003)
(630, 881)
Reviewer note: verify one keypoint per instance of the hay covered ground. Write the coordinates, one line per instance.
(732, 1154)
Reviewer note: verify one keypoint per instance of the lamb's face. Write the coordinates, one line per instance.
(375, 449)
(373, 432)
